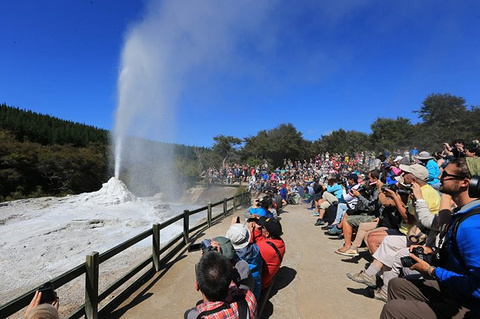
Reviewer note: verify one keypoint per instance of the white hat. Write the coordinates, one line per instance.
(238, 235)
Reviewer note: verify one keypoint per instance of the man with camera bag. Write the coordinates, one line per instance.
(451, 289)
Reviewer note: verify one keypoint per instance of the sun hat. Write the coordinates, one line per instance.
(239, 236)
(419, 171)
(423, 155)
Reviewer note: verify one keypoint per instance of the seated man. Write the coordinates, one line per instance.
(221, 297)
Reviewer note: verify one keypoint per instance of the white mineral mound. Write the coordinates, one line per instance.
(113, 192)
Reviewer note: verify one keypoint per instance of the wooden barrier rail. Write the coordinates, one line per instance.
(90, 309)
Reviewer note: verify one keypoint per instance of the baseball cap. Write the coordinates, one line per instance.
(272, 225)
(419, 171)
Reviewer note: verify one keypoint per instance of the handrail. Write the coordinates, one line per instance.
(90, 309)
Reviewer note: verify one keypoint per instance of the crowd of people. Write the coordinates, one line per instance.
(236, 270)
(416, 223)
(414, 216)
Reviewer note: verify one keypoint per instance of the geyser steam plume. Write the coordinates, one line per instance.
(174, 41)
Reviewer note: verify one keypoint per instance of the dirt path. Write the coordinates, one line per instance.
(311, 284)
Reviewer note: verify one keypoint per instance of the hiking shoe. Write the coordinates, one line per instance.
(319, 222)
(363, 278)
(334, 231)
(380, 294)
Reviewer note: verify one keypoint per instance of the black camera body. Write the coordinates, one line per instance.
(433, 259)
(406, 190)
(474, 187)
(205, 245)
(409, 261)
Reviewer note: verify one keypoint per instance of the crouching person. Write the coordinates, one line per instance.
(221, 297)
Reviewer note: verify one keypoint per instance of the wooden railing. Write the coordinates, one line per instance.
(90, 309)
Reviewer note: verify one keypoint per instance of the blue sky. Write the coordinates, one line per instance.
(319, 65)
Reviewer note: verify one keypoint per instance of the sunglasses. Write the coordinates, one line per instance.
(453, 176)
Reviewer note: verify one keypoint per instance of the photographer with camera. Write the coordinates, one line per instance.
(385, 255)
(266, 233)
(221, 298)
(452, 288)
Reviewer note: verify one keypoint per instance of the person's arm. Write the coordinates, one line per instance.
(402, 209)
(422, 211)
(467, 284)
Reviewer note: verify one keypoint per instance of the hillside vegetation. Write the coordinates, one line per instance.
(41, 155)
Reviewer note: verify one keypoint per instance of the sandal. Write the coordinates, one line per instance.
(341, 250)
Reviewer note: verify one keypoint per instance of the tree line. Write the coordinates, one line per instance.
(42, 155)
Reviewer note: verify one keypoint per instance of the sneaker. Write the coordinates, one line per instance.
(319, 222)
(327, 227)
(316, 214)
(334, 231)
(363, 278)
(380, 294)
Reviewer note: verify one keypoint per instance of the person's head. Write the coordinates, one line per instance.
(414, 173)
(471, 150)
(352, 179)
(214, 274)
(239, 236)
(381, 157)
(271, 228)
(225, 246)
(373, 176)
(455, 177)
(423, 156)
(43, 311)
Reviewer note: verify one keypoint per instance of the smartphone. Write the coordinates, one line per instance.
(195, 247)
(48, 293)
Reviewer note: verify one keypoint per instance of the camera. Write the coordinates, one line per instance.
(252, 219)
(205, 245)
(433, 259)
(48, 293)
(474, 187)
(405, 190)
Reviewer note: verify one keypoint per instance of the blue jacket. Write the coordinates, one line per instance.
(251, 254)
(461, 274)
(433, 172)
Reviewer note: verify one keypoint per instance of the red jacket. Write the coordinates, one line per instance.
(270, 257)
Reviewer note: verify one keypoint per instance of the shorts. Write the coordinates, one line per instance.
(356, 220)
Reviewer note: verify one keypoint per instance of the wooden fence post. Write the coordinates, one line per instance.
(186, 216)
(224, 207)
(235, 201)
(91, 286)
(209, 214)
(156, 246)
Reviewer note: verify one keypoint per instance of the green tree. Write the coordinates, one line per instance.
(226, 146)
(389, 134)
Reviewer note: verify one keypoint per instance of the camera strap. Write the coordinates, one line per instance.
(473, 211)
(276, 250)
